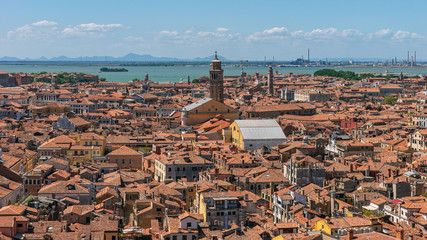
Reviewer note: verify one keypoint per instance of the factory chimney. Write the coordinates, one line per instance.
(415, 57)
(407, 61)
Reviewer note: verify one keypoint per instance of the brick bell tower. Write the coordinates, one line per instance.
(216, 80)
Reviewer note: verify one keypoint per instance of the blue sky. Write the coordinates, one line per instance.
(237, 29)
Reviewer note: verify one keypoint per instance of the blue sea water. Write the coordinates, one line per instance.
(179, 73)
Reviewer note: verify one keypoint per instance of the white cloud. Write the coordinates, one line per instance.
(36, 30)
(169, 33)
(189, 30)
(196, 37)
(404, 35)
(351, 33)
(316, 34)
(329, 34)
(90, 28)
(44, 23)
(275, 30)
(220, 29)
(268, 34)
(45, 29)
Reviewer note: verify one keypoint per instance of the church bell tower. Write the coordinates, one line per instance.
(216, 80)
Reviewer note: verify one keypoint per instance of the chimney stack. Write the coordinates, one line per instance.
(350, 234)
(415, 57)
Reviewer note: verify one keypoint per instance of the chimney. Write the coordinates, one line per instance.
(303, 192)
(216, 171)
(389, 172)
(400, 233)
(350, 234)
(351, 167)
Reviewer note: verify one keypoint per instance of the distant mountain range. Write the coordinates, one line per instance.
(131, 57)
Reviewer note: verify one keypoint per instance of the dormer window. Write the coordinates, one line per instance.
(71, 187)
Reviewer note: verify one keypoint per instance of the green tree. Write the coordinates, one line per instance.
(195, 80)
(390, 100)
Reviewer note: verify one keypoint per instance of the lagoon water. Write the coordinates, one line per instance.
(178, 73)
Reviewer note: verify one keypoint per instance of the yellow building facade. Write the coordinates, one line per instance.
(88, 146)
(331, 226)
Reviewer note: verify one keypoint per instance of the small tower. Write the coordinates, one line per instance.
(146, 77)
(216, 80)
(54, 81)
(270, 81)
(401, 76)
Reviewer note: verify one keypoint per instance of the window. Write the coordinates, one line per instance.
(174, 238)
(86, 152)
(20, 225)
(189, 225)
(184, 237)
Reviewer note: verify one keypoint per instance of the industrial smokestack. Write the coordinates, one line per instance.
(407, 61)
(415, 57)
(412, 60)
(308, 55)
